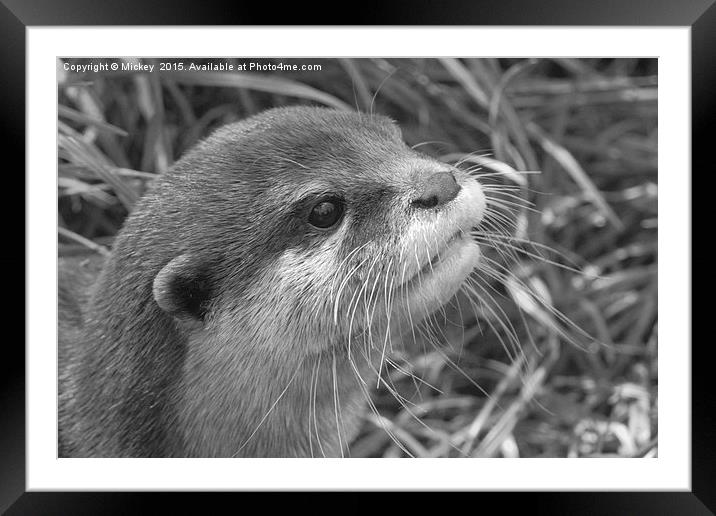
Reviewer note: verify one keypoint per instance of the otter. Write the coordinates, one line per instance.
(253, 292)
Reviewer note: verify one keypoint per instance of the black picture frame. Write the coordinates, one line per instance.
(17, 15)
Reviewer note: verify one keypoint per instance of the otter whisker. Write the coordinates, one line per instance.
(284, 158)
(315, 393)
(508, 198)
(310, 408)
(506, 241)
(427, 143)
(464, 158)
(385, 79)
(456, 300)
(273, 405)
(342, 286)
(370, 312)
(405, 303)
(404, 402)
(356, 298)
(373, 408)
(486, 237)
(457, 368)
(500, 316)
(481, 307)
(507, 274)
(509, 329)
(387, 324)
(510, 206)
(503, 248)
(501, 174)
(412, 375)
(336, 403)
(499, 221)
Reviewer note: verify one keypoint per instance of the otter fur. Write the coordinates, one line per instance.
(225, 324)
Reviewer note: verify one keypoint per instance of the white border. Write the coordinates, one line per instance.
(671, 470)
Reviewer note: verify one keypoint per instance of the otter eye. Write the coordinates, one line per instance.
(326, 213)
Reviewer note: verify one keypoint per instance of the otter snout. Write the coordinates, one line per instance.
(436, 190)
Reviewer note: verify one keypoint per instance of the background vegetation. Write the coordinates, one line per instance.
(585, 130)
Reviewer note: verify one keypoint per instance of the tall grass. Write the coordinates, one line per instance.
(576, 138)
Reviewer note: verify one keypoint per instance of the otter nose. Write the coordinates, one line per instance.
(437, 189)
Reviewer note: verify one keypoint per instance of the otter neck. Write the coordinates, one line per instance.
(131, 361)
(158, 390)
(256, 404)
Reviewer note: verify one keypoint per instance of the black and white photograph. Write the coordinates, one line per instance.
(324, 252)
(373, 257)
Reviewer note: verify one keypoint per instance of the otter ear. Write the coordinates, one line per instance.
(183, 288)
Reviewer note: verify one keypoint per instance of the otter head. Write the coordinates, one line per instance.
(306, 228)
